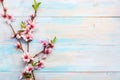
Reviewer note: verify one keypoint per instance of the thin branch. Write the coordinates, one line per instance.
(27, 46)
(12, 28)
(20, 45)
(3, 5)
(35, 14)
(39, 53)
(33, 75)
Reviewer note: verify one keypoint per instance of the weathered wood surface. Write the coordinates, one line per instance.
(88, 43)
(67, 7)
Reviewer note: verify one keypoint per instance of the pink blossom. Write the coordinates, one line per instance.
(26, 57)
(31, 26)
(1, 0)
(8, 18)
(27, 37)
(29, 21)
(44, 43)
(18, 46)
(4, 15)
(27, 31)
(40, 65)
(29, 68)
(19, 35)
(48, 50)
(22, 74)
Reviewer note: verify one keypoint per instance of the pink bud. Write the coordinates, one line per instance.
(51, 45)
(4, 15)
(5, 10)
(44, 43)
(18, 46)
(48, 50)
(40, 65)
(32, 16)
(9, 17)
(1, 0)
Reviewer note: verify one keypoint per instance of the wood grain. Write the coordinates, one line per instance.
(67, 7)
(88, 43)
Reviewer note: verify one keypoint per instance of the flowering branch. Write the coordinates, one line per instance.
(25, 33)
(9, 19)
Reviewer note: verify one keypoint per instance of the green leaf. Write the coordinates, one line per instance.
(34, 63)
(54, 40)
(23, 25)
(35, 2)
(36, 5)
(27, 75)
(21, 30)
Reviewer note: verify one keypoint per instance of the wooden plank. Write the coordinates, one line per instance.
(88, 44)
(94, 31)
(75, 58)
(67, 7)
(64, 76)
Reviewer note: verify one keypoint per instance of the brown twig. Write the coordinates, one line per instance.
(32, 19)
(27, 46)
(39, 53)
(28, 43)
(33, 76)
(12, 27)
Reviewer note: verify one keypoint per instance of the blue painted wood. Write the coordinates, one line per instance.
(87, 42)
(67, 7)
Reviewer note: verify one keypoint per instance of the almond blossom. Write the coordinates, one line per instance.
(44, 42)
(27, 37)
(26, 57)
(29, 68)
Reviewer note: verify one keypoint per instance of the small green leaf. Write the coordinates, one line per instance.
(23, 25)
(27, 75)
(34, 63)
(35, 2)
(21, 30)
(54, 40)
(36, 5)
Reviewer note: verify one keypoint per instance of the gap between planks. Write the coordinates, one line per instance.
(69, 71)
(75, 16)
